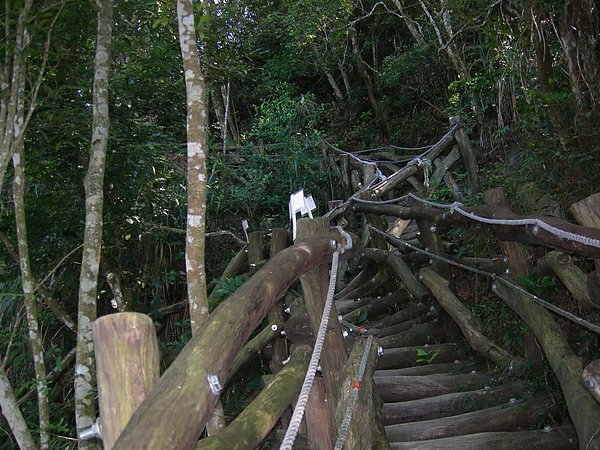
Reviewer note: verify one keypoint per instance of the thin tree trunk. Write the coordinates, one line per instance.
(85, 382)
(11, 126)
(412, 26)
(197, 152)
(27, 282)
(13, 415)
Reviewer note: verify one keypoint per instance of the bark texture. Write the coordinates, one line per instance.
(197, 152)
(85, 380)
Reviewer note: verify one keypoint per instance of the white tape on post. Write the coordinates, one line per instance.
(245, 228)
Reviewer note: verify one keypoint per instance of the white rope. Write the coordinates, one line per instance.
(590, 242)
(345, 425)
(292, 431)
(567, 315)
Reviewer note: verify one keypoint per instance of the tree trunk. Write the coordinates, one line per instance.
(12, 414)
(85, 380)
(197, 152)
(35, 338)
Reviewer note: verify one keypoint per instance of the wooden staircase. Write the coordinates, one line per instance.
(438, 394)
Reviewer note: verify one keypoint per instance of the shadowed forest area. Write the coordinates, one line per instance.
(136, 136)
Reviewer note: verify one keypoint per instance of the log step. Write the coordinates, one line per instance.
(561, 438)
(402, 326)
(449, 404)
(398, 358)
(457, 366)
(426, 333)
(508, 417)
(404, 388)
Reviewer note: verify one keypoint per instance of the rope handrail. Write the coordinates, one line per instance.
(566, 314)
(292, 431)
(457, 206)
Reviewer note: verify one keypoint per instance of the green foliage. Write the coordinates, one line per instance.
(426, 356)
(537, 284)
(280, 156)
(224, 288)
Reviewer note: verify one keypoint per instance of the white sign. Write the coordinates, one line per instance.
(300, 204)
(245, 228)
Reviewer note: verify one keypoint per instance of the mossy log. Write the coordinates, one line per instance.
(403, 326)
(433, 332)
(396, 178)
(464, 319)
(362, 426)
(346, 306)
(368, 287)
(414, 286)
(128, 367)
(158, 422)
(407, 356)
(258, 418)
(507, 417)
(406, 313)
(467, 153)
(404, 388)
(562, 438)
(458, 366)
(441, 168)
(493, 265)
(237, 265)
(529, 234)
(378, 306)
(449, 404)
(402, 212)
(571, 276)
(583, 409)
(366, 274)
(255, 345)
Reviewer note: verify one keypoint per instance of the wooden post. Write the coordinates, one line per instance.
(127, 360)
(279, 239)
(314, 287)
(466, 150)
(587, 212)
(513, 251)
(518, 264)
(256, 253)
(362, 425)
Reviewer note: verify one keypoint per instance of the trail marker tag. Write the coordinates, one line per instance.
(245, 228)
(300, 204)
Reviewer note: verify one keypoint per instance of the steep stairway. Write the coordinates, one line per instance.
(439, 394)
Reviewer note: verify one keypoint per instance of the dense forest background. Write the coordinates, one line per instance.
(282, 77)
